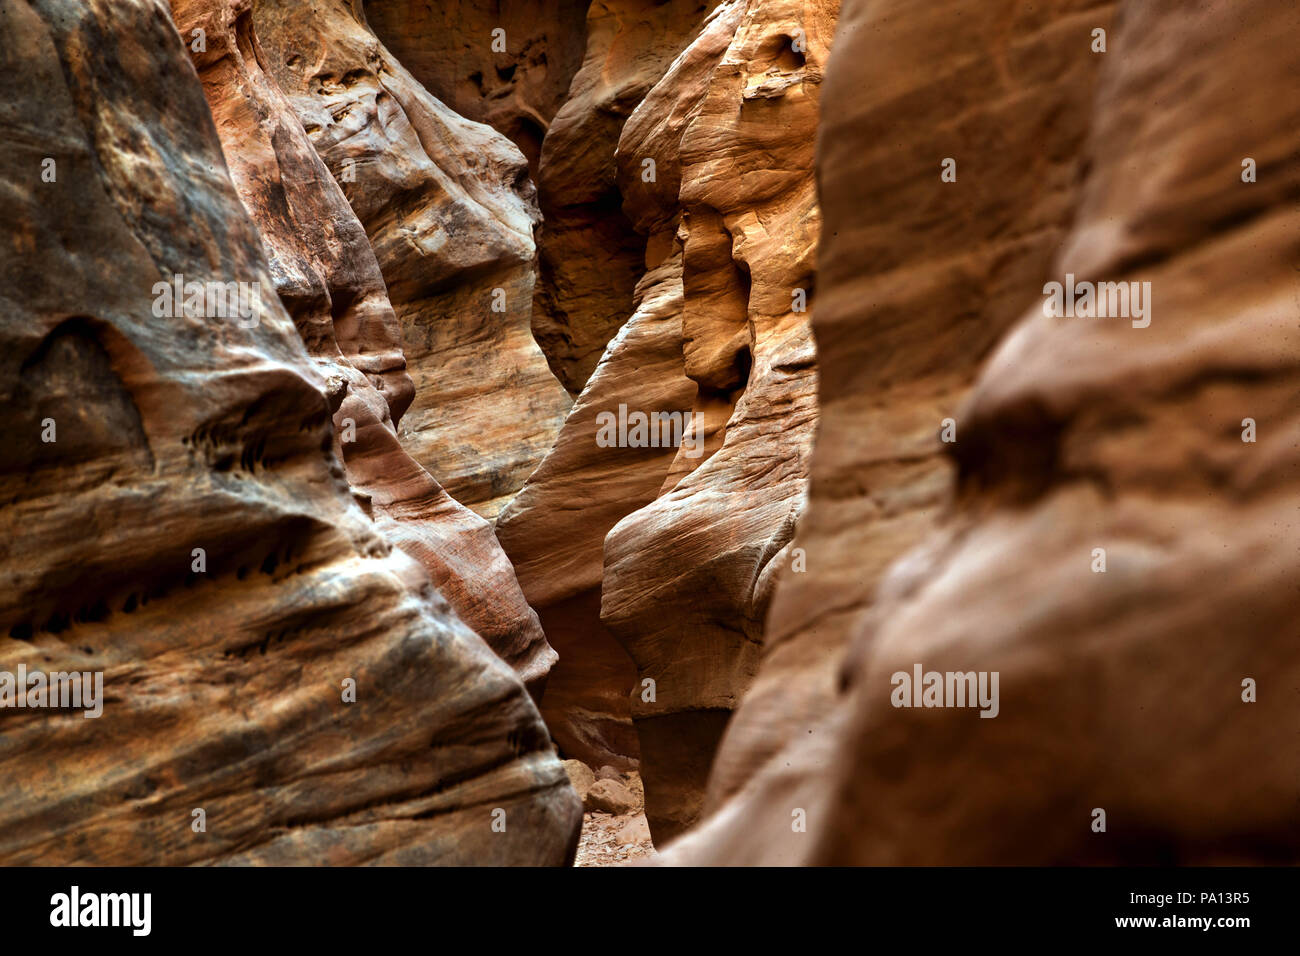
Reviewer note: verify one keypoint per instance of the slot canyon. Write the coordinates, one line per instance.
(506, 433)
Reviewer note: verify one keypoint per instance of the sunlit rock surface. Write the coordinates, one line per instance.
(590, 258)
(682, 543)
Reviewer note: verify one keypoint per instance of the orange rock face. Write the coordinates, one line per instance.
(553, 531)
(590, 258)
(449, 210)
(555, 528)
(688, 579)
(328, 278)
(886, 456)
(911, 245)
(279, 683)
(684, 541)
(1113, 530)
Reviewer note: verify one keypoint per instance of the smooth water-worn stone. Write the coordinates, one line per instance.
(1102, 533)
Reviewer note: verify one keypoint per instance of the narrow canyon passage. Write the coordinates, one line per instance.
(542, 433)
(527, 299)
(674, 283)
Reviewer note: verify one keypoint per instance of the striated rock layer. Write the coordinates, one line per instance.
(174, 515)
(328, 279)
(1121, 691)
(555, 528)
(449, 210)
(947, 268)
(688, 578)
(683, 543)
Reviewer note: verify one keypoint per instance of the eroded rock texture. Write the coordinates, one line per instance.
(179, 430)
(947, 268)
(449, 210)
(327, 276)
(554, 532)
(681, 544)
(514, 81)
(265, 520)
(555, 528)
(590, 258)
(1120, 690)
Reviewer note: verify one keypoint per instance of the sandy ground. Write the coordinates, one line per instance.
(609, 840)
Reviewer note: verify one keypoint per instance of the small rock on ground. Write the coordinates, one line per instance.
(615, 839)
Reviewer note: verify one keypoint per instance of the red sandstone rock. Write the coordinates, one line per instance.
(327, 276)
(554, 529)
(1123, 690)
(589, 257)
(684, 543)
(451, 49)
(688, 578)
(222, 679)
(449, 209)
(674, 584)
(912, 246)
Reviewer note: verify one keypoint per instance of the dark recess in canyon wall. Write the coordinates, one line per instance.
(589, 255)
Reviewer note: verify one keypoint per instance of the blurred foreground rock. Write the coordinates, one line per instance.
(1121, 691)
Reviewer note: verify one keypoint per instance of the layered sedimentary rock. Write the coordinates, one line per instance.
(681, 543)
(590, 258)
(174, 514)
(449, 210)
(326, 275)
(1118, 537)
(233, 386)
(554, 531)
(507, 64)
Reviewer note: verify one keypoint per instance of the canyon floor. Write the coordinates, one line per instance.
(609, 840)
(614, 827)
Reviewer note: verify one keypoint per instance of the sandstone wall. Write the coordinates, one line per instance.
(222, 678)
(449, 210)
(1122, 690)
(590, 258)
(514, 81)
(327, 277)
(682, 545)
(753, 398)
